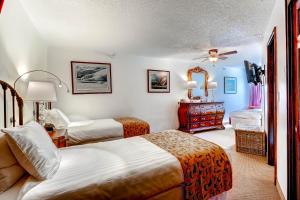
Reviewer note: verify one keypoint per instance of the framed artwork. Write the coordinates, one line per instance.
(158, 81)
(230, 85)
(1, 5)
(91, 77)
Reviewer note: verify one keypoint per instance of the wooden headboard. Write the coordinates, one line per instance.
(15, 97)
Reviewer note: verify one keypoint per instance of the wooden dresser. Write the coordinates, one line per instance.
(195, 117)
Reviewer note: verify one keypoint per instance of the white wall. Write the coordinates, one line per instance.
(278, 20)
(129, 86)
(129, 82)
(21, 47)
(232, 102)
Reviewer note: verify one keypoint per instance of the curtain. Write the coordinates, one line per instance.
(255, 95)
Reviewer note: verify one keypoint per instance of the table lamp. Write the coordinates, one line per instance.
(212, 86)
(40, 92)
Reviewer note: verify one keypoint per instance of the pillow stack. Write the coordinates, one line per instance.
(57, 118)
(34, 150)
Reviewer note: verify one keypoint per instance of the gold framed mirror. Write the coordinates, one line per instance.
(201, 77)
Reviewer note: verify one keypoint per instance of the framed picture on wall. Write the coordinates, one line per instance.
(158, 81)
(230, 85)
(91, 77)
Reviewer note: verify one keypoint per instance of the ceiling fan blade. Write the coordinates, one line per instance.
(198, 58)
(223, 58)
(228, 53)
(206, 59)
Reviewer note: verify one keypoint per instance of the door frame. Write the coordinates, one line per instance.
(291, 106)
(272, 141)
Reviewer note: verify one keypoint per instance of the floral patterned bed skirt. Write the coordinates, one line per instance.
(206, 167)
(133, 126)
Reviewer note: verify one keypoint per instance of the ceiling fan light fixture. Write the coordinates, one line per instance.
(213, 59)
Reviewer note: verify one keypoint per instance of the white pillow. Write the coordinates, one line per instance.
(34, 150)
(63, 116)
(10, 170)
(57, 118)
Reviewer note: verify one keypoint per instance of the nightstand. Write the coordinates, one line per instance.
(59, 137)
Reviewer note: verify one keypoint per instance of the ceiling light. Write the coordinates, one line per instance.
(213, 59)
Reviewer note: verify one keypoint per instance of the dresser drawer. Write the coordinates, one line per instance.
(218, 122)
(194, 125)
(208, 109)
(194, 110)
(207, 117)
(205, 123)
(219, 116)
(220, 108)
(195, 119)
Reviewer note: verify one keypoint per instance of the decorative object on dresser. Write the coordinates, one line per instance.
(191, 85)
(230, 85)
(200, 76)
(158, 81)
(211, 86)
(91, 77)
(195, 117)
(250, 139)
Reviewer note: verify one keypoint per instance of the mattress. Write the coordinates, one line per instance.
(251, 117)
(132, 168)
(110, 170)
(247, 114)
(91, 131)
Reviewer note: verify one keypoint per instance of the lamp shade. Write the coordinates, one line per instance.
(212, 85)
(191, 84)
(41, 91)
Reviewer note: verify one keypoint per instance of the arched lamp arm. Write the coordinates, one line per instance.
(39, 70)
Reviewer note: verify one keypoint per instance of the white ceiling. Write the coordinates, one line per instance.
(162, 28)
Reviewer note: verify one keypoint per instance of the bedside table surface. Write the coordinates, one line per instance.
(58, 133)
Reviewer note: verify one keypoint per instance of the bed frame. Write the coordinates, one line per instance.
(15, 97)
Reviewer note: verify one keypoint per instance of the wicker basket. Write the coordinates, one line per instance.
(251, 141)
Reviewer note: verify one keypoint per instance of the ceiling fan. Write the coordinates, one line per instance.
(213, 55)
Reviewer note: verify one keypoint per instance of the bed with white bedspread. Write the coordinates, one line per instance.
(140, 167)
(249, 117)
(87, 131)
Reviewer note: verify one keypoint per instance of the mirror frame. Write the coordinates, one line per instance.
(189, 76)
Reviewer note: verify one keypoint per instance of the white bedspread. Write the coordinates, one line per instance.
(94, 130)
(131, 168)
(247, 114)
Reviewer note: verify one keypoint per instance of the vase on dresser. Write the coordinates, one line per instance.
(196, 117)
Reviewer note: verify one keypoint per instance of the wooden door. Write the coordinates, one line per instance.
(293, 92)
(296, 89)
(272, 99)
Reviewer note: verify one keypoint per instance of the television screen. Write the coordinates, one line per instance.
(250, 71)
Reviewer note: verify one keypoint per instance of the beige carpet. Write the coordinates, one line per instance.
(252, 177)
